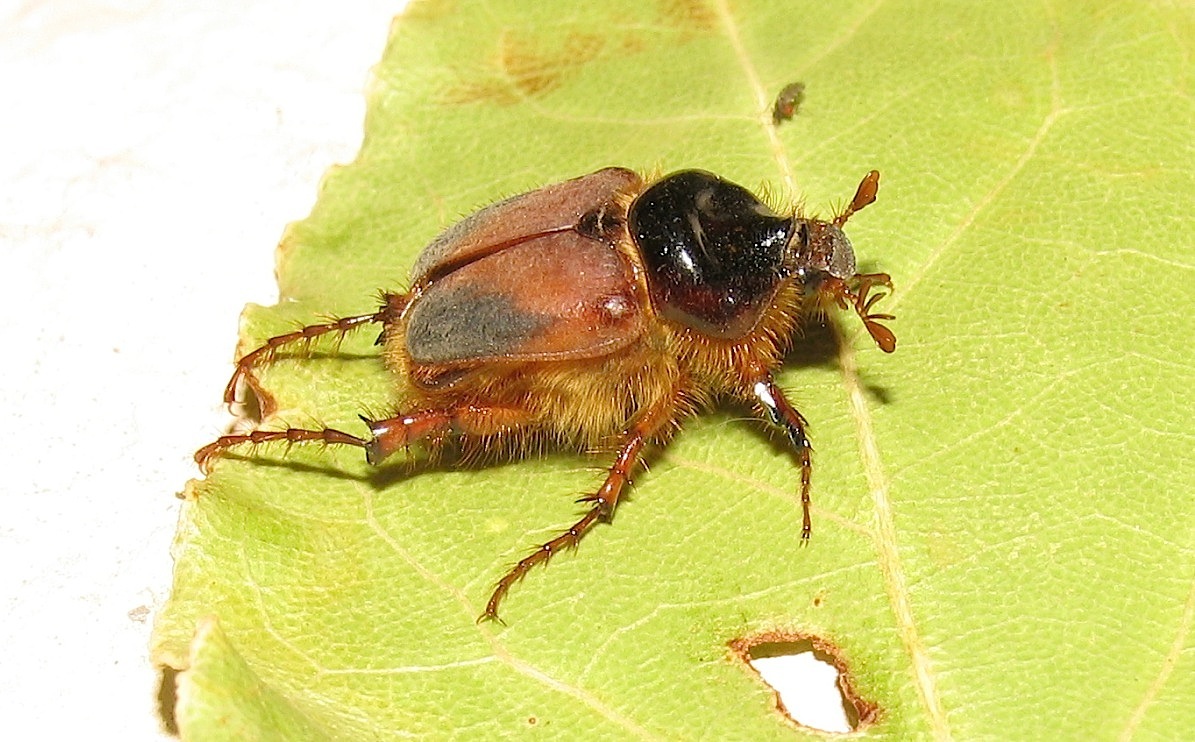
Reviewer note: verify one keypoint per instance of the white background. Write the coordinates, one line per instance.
(150, 156)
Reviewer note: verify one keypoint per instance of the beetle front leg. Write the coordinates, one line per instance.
(604, 501)
(784, 415)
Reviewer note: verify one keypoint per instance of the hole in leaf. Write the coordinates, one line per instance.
(168, 699)
(811, 680)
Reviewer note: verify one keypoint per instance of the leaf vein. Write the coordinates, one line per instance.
(1169, 662)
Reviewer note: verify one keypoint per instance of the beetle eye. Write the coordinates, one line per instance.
(842, 255)
(801, 236)
(797, 261)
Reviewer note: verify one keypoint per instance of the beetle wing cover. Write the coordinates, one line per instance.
(552, 208)
(555, 297)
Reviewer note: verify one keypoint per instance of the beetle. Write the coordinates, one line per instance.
(788, 101)
(598, 312)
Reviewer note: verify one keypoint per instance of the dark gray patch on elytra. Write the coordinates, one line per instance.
(457, 323)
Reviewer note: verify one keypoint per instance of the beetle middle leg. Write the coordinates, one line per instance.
(388, 435)
(329, 436)
(399, 432)
(603, 502)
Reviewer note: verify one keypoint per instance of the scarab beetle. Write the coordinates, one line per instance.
(597, 312)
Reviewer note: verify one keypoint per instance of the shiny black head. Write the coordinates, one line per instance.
(714, 253)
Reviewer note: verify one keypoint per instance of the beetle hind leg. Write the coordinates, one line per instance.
(392, 307)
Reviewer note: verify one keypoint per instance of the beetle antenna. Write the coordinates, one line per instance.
(865, 195)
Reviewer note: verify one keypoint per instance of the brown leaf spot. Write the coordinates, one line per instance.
(525, 65)
(694, 15)
(522, 66)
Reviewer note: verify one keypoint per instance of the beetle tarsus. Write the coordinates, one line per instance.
(605, 500)
(327, 436)
(567, 540)
(269, 349)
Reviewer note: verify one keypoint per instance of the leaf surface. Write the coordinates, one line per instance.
(1004, 537)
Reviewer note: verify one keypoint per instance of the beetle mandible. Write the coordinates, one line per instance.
(598, 312)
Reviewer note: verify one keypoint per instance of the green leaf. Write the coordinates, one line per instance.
(1004, 536)
(220, 697)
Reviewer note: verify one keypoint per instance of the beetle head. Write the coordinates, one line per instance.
(820, 254)
(820, 249)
